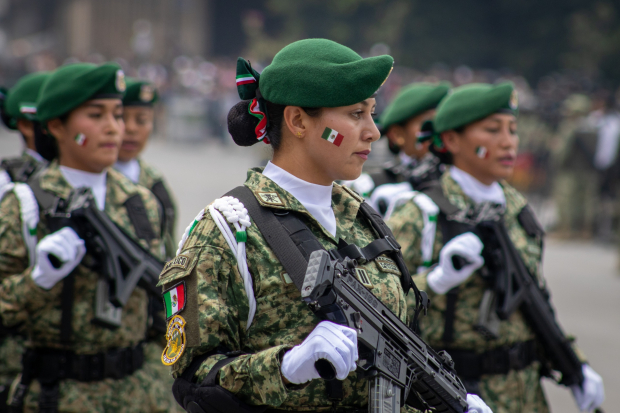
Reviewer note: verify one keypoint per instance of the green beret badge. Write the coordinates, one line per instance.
(514, 100)
(147, 93)
(121, 85)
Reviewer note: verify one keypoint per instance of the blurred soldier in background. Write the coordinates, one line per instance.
(75, 360)
(138, 115)
(401, 122)
(576, 186)
(18, 113)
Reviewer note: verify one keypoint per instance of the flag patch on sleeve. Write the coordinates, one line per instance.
(174, 300)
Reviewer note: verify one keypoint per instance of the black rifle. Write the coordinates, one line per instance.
(122, 261)
(400, 366)
(514, 287)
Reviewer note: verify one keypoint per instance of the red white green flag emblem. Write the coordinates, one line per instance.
(331, 135)
(245, 79)
(174, 300)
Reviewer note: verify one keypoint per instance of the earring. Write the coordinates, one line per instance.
(299, 134)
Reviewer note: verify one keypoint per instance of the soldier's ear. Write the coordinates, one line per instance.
(452, 141)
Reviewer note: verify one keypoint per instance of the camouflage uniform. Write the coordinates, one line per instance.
(22, 301)
(217, 305)
(11, 346)
(518, 391)
(149, 176)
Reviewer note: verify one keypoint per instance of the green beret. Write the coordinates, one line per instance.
(139, 93)
(413, 100)
(319, 73)
(70, 86)
(469, 103)
(20, 102)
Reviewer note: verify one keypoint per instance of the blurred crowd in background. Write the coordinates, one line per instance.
(569, 121)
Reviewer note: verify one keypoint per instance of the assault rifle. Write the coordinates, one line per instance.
(122, 261)
(400, 366)
(514, 287)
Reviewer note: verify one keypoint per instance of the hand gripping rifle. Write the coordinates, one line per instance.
(400, 366)
(121, 260)
(514, 287)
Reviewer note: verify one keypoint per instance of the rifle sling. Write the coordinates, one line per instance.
(163, 196)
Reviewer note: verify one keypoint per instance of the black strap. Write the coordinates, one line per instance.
(66, 308)
(276, 236)
(530, 223)
(19, 169)
(163, 196)
(139, 218)
(448, 329)
(211, 378)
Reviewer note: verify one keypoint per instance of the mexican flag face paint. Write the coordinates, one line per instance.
(330, 135)
(482, 152)
(80, 139)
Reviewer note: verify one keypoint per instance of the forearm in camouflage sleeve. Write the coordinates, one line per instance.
(19, 295)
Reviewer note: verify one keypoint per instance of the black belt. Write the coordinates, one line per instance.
(470, 365)
(52, 365)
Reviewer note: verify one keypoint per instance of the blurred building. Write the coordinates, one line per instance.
(37, 34)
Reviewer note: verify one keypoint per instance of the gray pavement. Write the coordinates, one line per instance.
(582, 276)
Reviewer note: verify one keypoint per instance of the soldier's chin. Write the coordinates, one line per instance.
(350, 173)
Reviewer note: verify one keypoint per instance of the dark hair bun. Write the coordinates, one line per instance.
(241, 124)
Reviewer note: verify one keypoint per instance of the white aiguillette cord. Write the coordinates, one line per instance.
(236, 214)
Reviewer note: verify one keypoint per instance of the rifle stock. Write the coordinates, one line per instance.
(400, 366)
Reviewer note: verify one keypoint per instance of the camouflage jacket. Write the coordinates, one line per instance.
(407, 225)
(149, 176)
(217, 306)
(22, 301)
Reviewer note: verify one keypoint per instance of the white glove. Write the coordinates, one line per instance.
(335, 343)
(445, 277)
(476, 405)
(591, 394)
(67, 247)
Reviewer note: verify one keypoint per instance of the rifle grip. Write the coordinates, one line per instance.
(325, 369)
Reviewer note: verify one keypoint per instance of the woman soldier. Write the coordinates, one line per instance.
(475, 130)
(236, 317)
(76, 358)
(138, 115)
(18, 113)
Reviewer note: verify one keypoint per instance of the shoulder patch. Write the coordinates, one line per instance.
(271, 198)
(175, 341)
(179, 267)
(386, 264)
(180, 261)
(354, 194)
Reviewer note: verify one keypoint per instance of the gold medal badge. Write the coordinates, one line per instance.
(175, 337)
(147, 92)
(514, 100)
(120, 81)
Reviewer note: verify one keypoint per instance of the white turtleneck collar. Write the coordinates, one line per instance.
(96, 182)
(317, 199)
(131, 169)
(35, 155)
(476, 190)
